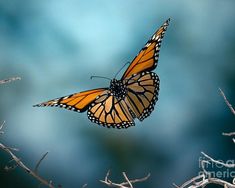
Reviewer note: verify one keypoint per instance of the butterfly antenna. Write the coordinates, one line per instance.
(100, 77)
(121, 68)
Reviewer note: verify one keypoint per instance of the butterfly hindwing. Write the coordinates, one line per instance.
(108, 111)
(77, 102)
(147, 58)
(142, 93)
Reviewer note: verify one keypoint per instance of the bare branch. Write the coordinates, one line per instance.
(17, 160)
(19, 163)
(127, 184)
(227, 102)
(193, 183)
(9, 80)
(218, 162)
(24, 167)
(205, 178)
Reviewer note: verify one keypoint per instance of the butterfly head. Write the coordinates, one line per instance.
(117, 88)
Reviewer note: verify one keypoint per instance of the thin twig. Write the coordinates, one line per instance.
(39, 162)
(229, 134)
(175, 185)
(218, 162)
(12, 149)
(232, 110)
(85, 185)
(1, 127)
(127, 184)
(189, 182)
(127, 180)
(9, 80)
(227, 102)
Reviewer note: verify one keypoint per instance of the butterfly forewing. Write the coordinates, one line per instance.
(77, 102)
(147, 58)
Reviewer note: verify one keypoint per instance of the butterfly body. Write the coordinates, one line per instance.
(118, 89)
(133, 96)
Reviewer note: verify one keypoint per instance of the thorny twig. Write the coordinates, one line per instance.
(127, 184)
(9, 80)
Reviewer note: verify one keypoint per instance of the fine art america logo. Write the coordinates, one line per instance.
(220, 169)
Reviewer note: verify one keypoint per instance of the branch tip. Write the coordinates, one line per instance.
(227, 102)
(9, 80)
(40, 161)
(126, 184)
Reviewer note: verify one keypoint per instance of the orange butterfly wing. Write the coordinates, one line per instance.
(108, 111)
(147, 58)
(142, 93)
(77, 102)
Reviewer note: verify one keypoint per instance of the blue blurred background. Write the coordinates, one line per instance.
(55, 46)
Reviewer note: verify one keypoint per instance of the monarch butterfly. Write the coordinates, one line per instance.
(133, 96)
